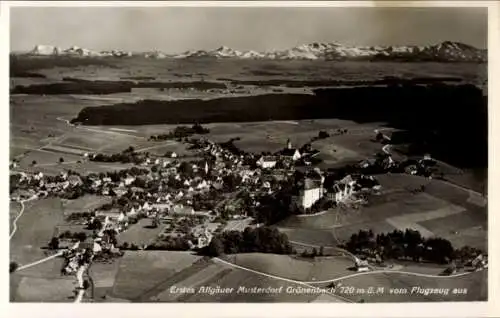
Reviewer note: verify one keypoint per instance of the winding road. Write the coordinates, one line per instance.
(14, 223)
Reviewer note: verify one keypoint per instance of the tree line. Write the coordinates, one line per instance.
(408, 244)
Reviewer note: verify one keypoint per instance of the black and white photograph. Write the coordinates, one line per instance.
(248, 154)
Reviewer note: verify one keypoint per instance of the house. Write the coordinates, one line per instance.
(361, 265)
(111, 214)
(171, 154)
(182, 210)
(128, 180)
(74, 180)
(204, 239)
(267, 162)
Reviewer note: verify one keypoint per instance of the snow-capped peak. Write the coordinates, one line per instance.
(41, 49)
(447, 51)
(76, 51)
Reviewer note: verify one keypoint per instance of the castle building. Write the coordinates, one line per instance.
(309, 192)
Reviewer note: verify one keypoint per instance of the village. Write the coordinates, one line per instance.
(191, 201)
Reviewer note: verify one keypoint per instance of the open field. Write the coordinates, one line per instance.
(104, 274)
(294, 267)
(139, 233)
(44, 157)
(35, 289)
(142, 270)
(34, 230)
(474, 284)
(85, 203)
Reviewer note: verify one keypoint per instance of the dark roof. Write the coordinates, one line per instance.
(269, 158)
(312, 184)
(288, 152)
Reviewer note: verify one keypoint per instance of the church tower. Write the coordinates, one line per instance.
(288, 144)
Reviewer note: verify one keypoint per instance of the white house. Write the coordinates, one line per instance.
(311, 191)
(267, 162)
(361, 265)
(204, 239)
(128, 180)
(181, 209)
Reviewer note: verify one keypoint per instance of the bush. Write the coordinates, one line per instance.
(323, 135)
(13, 267)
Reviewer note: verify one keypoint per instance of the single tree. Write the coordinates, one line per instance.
(33, 163)
(13, 267)
(314, 252)
(321, 250)
(61, 160)
(54, 243)
(86, 284)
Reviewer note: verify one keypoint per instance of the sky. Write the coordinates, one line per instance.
(177, 29)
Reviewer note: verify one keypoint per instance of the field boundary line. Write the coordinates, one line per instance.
(278, 277)
(43, 260)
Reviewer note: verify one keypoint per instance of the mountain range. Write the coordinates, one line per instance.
(447, 51)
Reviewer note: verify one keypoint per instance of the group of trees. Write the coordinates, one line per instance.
(79, 216)
(96, 224)
(277, 206)
(321, 135)
(314, 252)
(262, 239)
(403, 245)
(231, 147)
(171, 244)
(127, 156)
(181, 132)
